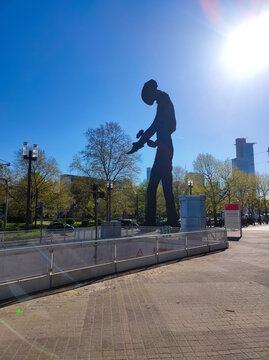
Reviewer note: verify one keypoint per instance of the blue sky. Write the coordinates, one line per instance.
(66, 66)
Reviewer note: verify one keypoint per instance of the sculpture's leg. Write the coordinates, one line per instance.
(167, 182)
(154, 180)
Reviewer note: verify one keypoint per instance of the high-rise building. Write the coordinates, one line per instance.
(67, 179)
(148, 172)
(244, 160)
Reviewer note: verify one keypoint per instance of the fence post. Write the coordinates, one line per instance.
(115, 256)
(51, 265)
(95, 252)
(225, 234)
(157, 250)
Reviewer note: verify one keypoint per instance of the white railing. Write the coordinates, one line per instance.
(22, 262)
(27, 237)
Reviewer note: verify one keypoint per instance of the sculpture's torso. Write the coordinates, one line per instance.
(165, 121)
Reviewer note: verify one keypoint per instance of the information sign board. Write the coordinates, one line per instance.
(232, 217)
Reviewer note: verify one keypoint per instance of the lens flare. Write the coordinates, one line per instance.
(247, 49)
(212, 10)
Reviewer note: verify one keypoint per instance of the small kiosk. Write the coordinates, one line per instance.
(193, 212)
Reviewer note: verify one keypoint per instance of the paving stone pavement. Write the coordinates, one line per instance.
(211, 307)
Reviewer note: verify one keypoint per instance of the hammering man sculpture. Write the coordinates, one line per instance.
(164, 125)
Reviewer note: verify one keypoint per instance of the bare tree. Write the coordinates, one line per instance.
(228, 180)
(104, 156)
(208, 166)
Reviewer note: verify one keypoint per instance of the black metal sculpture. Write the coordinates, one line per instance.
(164, 125)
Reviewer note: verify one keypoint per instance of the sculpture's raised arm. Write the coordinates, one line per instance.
(144, 137)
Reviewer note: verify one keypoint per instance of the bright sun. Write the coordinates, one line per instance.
(247, 49)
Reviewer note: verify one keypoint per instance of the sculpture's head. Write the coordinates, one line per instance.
(149, 92)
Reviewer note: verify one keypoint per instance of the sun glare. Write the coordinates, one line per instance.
(247, 50)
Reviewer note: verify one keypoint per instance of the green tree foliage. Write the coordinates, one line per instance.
(5, 175)
(161, 206)
(179, 186)
(223, 184)
(45, 186)
(228, 180)
(58, 198)
(81, 189)
(242, 188)
(141, 191)
(263, 191)
(83, 205)
(123, 199)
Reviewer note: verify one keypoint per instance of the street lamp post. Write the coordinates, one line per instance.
(36, 205)
(190, 185)
(6, 203)
(31, 155)
(96, 194)
(109, 186)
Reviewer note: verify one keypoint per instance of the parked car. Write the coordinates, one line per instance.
(58, 227)
(128, 222)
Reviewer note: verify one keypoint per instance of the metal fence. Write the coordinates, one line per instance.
(27, 237)
(35, 259)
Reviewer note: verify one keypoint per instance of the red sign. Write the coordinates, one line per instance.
(231, 207)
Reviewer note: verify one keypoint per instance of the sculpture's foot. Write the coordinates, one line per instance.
(173, 223)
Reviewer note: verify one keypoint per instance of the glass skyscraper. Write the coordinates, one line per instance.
(244, 160)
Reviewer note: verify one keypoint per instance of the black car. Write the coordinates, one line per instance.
(128, 222)
(58, 227)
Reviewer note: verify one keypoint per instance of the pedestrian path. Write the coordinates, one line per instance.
(211, 307)
(257, 227)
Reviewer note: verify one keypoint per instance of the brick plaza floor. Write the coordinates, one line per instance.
(211, 307)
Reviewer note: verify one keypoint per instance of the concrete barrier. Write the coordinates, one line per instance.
(29, 269)
(136, 262)
(77, 275)
(23, 262)
(19, 288)
(172, 255)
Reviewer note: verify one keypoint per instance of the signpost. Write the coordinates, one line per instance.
(232, 218)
